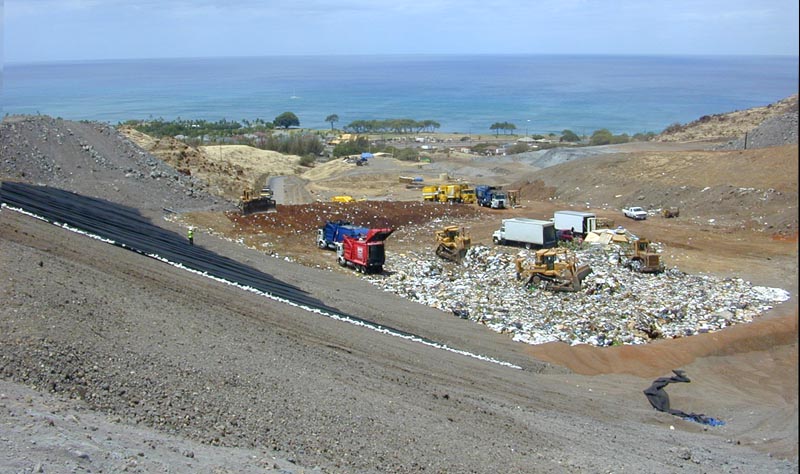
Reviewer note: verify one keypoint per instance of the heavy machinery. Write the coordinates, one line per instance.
(468, 196)
(366, 254)
(670, 212)
(641, 257)
(334, 231)
(251, 203)
(554, 269)
(452, 243)
(343, 199)
(491, 196)
(430, 193)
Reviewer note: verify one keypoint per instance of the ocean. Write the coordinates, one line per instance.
(539, 94)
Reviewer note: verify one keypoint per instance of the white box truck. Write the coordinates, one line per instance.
(532, 233)
(580, 223)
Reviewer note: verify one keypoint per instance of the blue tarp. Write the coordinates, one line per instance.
(366, 155)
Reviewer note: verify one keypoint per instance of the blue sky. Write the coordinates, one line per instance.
(46, 30)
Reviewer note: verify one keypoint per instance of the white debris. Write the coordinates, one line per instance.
(614, 306)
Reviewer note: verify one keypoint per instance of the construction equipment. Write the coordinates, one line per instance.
(343, 199)
(468, 195)
(334, 231)
(670, 212)
(452, 243)
(513, 197)
(554, 269)
(642, 258)
(251, 203)
(491, 196)
(430, 193)
(366, 254)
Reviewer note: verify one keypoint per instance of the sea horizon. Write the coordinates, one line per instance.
(539, 94)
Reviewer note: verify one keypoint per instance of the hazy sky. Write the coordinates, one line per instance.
(42, 30)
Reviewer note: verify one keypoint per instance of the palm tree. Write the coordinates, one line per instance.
(332, 118)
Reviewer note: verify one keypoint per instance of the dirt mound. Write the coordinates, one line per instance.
(94, 159)
(226, 169)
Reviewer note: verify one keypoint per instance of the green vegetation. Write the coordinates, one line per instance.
(569, 136)
(286, 120)
(197, 128)
(301, 144)
(351, 147)
(331, 119)
(504, 126)
(401, 126)
(517, 148)
(362, 144)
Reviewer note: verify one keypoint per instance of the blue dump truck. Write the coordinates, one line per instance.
(335, 231)
(490, 196)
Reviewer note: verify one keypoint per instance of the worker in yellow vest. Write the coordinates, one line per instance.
(190, 235)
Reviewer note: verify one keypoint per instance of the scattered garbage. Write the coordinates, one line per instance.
(613, 306)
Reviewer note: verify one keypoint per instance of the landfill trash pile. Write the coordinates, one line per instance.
(614, 306)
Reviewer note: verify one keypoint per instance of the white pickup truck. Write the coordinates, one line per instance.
(635, 212)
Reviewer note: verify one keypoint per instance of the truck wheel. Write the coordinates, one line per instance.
(496, 240)
(342, 262)
(322, 244)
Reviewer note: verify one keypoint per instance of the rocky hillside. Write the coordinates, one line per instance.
(779, 128)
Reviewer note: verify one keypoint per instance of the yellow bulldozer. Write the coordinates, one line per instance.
(554, 269)
(642, 258)
(251, 203)
(452, 243)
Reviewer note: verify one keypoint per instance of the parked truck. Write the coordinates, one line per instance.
(366, 254)
(532, 233)
(635, 212)
(491, 196)
(578, 222)
(334, 231)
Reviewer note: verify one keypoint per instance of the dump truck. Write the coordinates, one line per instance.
(430, 193)
(491, 196)
(452, 243)
(251, 203)
(468, 196)
(532, 233)
(366, 254)
(641, 257)
(554, 269)
(452, 192)
(580, 223)
(334, 231)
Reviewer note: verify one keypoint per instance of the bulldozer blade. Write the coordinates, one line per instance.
(258, 205)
